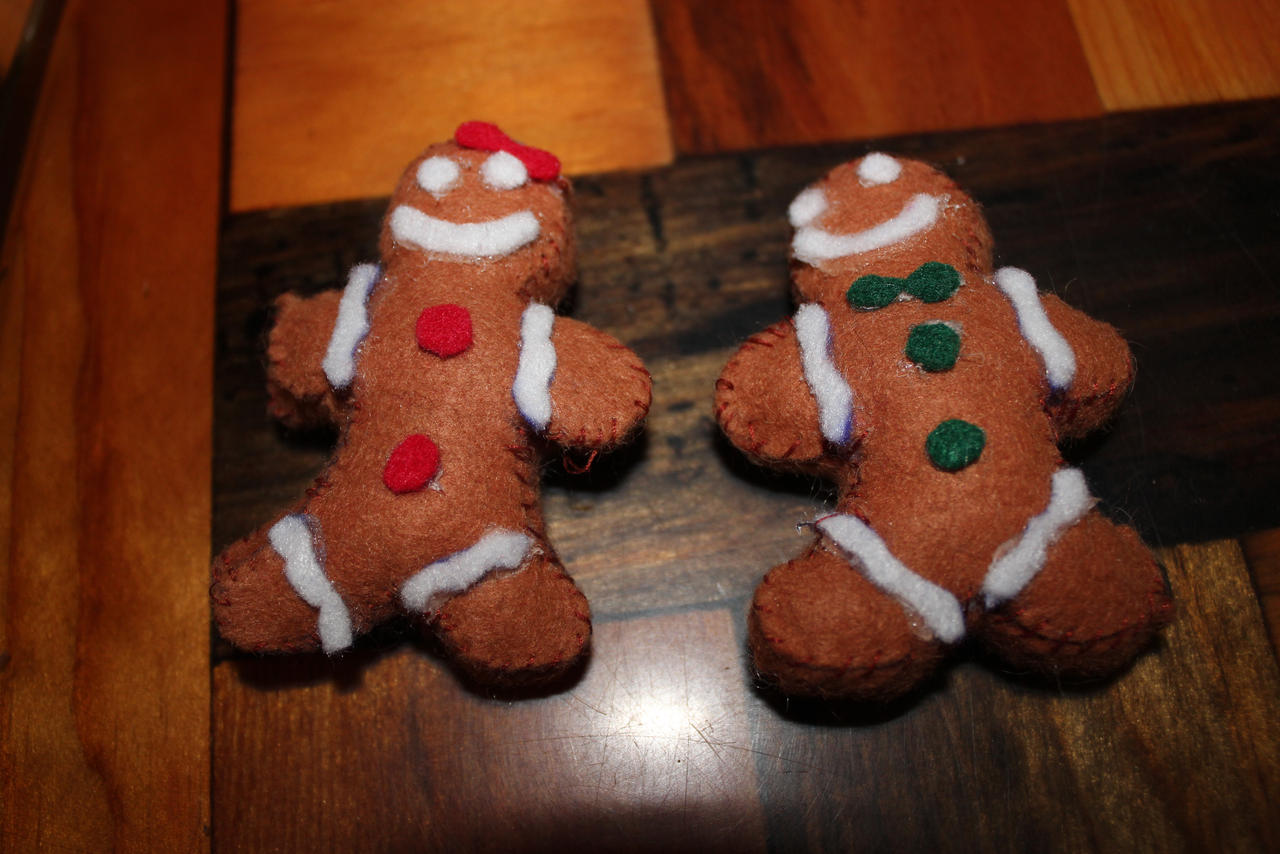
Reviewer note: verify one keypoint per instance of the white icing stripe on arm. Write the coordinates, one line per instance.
(828, 387)
(532, 386)
(291, 538)
(351, 326)
(813, 244)
(472, 239)
(1059, 360)
(1024, 556)
(939, 609)
(500, 549)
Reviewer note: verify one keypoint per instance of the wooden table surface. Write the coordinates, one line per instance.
(176, 165)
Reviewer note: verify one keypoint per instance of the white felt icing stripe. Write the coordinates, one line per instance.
(500, 549)
(812, 244)
(503, 171)
(1059, 360)
(473, 239)
(351, 326)
(291, 538)
(1023, 557)
(828, 387)
(807, 207)
(877, 168)
(940, 610)
(532, 386)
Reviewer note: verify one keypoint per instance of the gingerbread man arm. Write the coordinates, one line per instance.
(600, 392)
(300, 394)
(1104, 370)
(763, 403)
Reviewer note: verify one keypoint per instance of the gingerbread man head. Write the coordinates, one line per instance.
(886, 216)
(485, 201)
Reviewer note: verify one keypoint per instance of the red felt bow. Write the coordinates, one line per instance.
(484, 136)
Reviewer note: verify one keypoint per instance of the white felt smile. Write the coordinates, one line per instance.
(813, 244)
(475, 239)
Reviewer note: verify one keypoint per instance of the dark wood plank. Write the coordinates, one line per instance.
(1182, 753)
(777, 72)
(108, 289)
(651, 747)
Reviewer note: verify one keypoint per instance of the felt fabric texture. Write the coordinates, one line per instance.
(806, 207)
(351, 327)
(878, 168)
(503, 171)
(372, 541)
(933, 346)
(1059, 361)
(475, 240)
(444, 330)
(438, 175)
(938, 608)
(532, 386)
(298, 391)
(412, 464)
(947, 525)
(483, 136)
(829, 390)
(292, 539)
(496, 550)
(955, 444)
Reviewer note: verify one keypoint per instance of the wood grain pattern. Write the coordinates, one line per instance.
(1262, 554)
(13, 17)
(763, 72)
(650, 748)
(575, 77)
(1151, 53)
(109, 262)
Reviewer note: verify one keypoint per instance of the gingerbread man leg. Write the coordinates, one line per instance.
(1098, 599)
(818, 626)
(513, 626)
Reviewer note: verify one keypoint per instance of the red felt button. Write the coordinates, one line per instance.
(412, 465)
(444, 330)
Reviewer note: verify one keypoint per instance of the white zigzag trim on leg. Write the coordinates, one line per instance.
(1024, 556)
(532, 386)
(500, 549)
(828, 387)
(940, 610)
(1057, 355)
(291, 538)
(351, 326)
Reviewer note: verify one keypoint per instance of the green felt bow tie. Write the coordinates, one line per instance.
(932, 281)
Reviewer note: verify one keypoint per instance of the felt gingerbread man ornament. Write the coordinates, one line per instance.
(934, 391)
(449, 375)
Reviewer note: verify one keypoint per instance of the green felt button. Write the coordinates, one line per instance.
(933, 281)
(954, 444)
(870, 292)
(933, 346)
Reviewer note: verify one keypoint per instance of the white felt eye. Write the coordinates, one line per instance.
(877, 168)
(504, 171)
(806, 207)
(437, 174)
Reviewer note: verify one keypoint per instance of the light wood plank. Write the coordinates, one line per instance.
(1153, 53)
(332, 99)
(771, 72)
(105, 411)
(652, 747)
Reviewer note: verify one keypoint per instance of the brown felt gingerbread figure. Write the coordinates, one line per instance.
(934, 392)
(448, 374)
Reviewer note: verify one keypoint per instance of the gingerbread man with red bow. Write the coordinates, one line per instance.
(448, 374)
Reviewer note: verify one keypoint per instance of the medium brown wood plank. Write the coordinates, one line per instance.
(340, 120)
(390, 753)
(1153, 53)
(753, 73)
(104, 692)
(1262, 553)
(13, 18)
(1181, 753)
